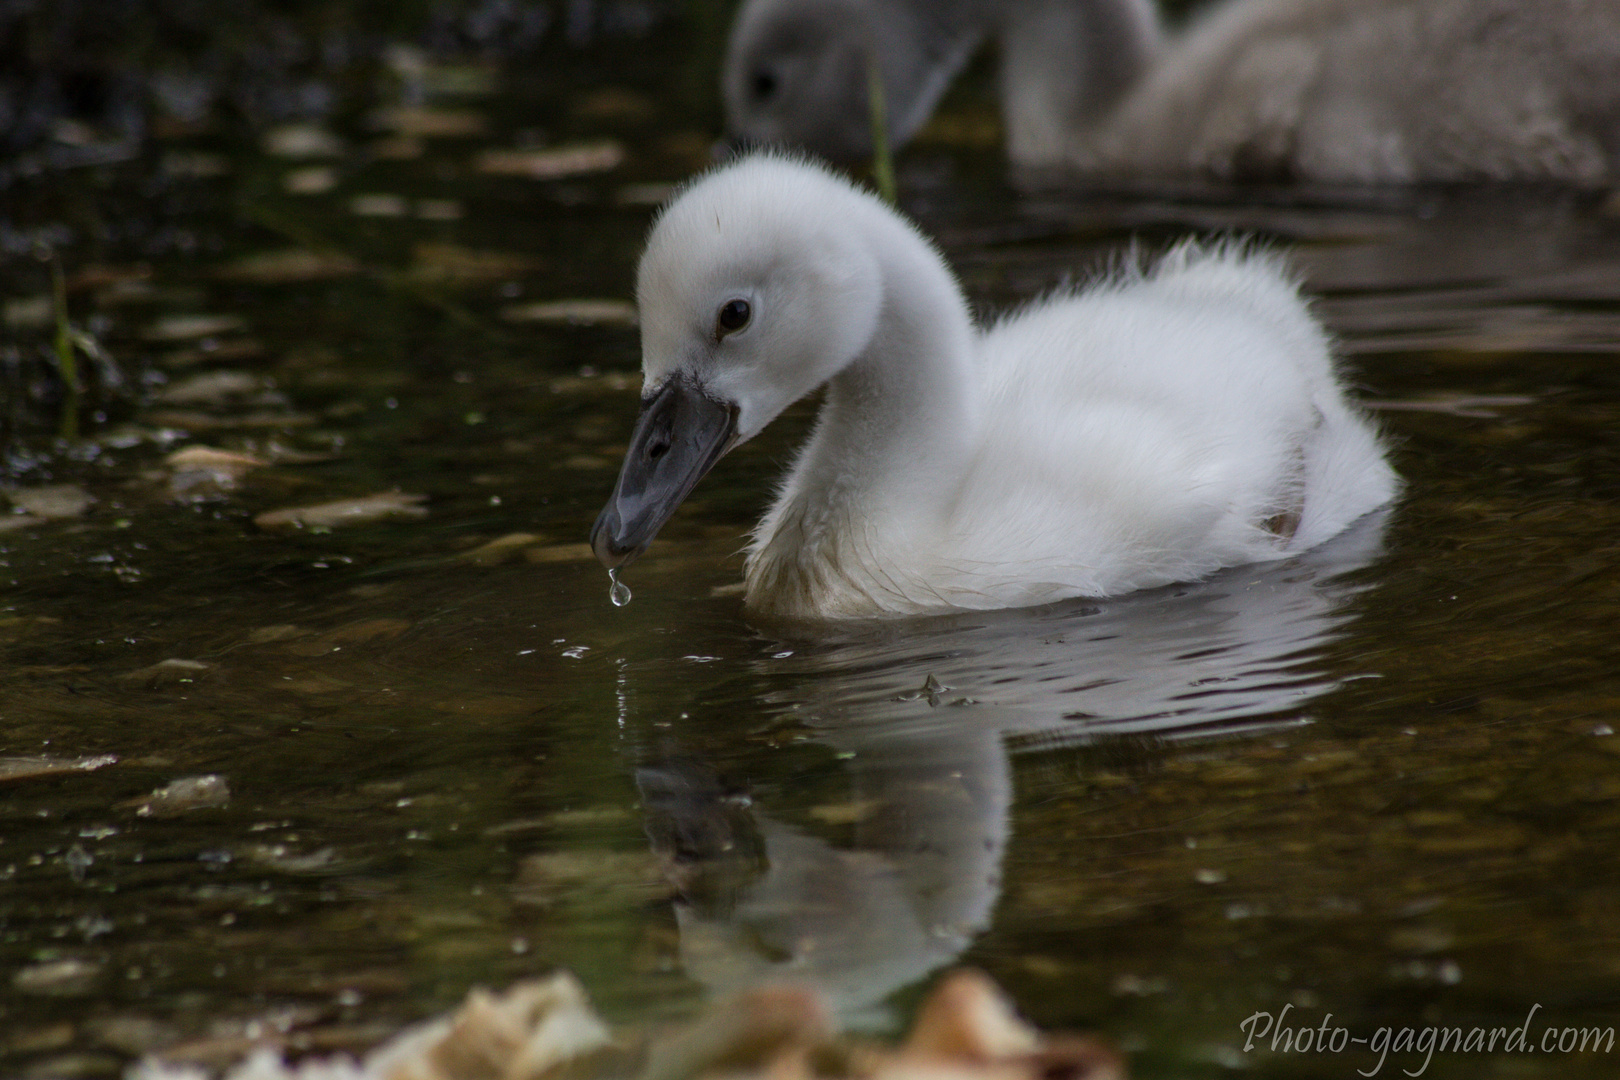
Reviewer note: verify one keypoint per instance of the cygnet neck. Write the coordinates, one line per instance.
(906, 404)
(1065, 64)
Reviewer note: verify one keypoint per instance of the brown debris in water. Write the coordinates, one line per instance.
(302, 141)
(69, 977)
(29, 768)
(212, 388)
(454, 264)
(192, 420)
(503, 549)
(545, 1029)
(192, 327)
(553, 163)
(49, 502)
(420, 122)
(360, 511)
(290, 265)
(354, 633)
(206, 472)
(168, 672)
(578, 312)
(559, 553)
(179, 797)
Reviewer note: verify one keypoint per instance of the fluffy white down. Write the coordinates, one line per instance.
(1149, 429)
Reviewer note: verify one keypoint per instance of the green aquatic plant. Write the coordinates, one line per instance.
(68, 343)
(67, 365)
(882, 161)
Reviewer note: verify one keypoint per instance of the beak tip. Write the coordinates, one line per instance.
(606, 549)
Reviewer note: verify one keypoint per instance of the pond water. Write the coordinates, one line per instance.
(1380, 782)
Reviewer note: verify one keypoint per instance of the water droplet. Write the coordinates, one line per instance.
(620, 592)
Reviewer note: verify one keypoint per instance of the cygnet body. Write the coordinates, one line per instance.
(1337, 91)
(1153, 428)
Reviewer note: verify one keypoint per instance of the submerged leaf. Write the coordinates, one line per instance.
(302, 141)
(28, 312)
(554, 163)
(191, 327)
(311, 180)
(501, 550)
(57, 978)
(50, 501)
(188, 420)
(428, 123)
(454, 263)
(202, 472)
(378, 205)
(206, 457)
(290, 265)
(165, 672)
(559, 553)
(27, 768)
(210, 387)
(206, 792)
(621, 312)
(361, 511)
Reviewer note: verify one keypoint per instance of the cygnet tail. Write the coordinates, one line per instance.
(1346, 476)
(1345, 473)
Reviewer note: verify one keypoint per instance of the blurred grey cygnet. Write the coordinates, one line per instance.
(1334, 91)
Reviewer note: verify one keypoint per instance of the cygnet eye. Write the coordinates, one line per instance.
(764, 85)
(734, 315)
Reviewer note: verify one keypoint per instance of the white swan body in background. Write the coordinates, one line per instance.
(1152, 428)
(1344, 91)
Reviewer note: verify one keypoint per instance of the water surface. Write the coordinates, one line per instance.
(1379, 781)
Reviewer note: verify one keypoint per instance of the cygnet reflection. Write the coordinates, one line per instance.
(923, 714)
(763, 901)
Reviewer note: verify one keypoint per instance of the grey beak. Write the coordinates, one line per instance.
(679, 436)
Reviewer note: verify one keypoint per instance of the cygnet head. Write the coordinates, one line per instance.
(757, 285)
(797, 72)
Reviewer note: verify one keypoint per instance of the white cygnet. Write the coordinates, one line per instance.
(1152, 428)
